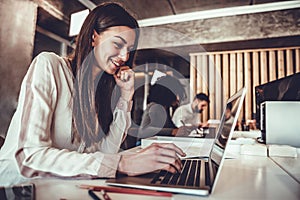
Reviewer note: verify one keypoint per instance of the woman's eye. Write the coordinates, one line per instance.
(118, 45)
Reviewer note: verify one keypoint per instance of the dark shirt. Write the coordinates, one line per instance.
(156, 120)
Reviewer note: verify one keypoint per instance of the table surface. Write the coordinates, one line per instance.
(290, 165)
(246, 177)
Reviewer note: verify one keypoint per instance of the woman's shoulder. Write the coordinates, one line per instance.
(50, 60)
(48, 63)
(49, 57)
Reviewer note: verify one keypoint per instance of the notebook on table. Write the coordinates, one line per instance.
(199, 175)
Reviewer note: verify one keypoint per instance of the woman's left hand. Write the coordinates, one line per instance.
(125, 80)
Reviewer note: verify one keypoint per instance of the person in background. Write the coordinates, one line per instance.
(189, 114)
(73, 113)
(166, 93)
(228, 114)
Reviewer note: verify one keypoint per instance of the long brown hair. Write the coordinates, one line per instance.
(89, 102)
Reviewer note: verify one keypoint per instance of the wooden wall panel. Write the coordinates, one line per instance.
(211, 86)
(226, 83)
(289, 62)
(297, 59)
(193, 75)
(224, 73)
(219, 87)
(272, 65)
(199, 79)
(233, 71)
(240, 76)
(205, 83)
(263, 67)
(280, 61)
(204, 73)
(248, 85)
(255, 76)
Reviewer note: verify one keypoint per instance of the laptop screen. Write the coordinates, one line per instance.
(224, 133)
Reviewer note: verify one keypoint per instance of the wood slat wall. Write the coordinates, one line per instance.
(221, 74)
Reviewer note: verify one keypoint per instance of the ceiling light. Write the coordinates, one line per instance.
(222, 12)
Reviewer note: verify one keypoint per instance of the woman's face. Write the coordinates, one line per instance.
(112, 47)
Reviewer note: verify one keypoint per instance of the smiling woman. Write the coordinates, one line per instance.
(116, 44)
(74, 112)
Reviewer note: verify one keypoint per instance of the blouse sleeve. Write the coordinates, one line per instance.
(35, 154)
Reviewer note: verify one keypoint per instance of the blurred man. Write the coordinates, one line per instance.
(189, 114)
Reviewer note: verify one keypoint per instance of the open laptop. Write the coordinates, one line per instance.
(199, 175)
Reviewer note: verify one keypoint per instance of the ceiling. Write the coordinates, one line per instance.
(54, 15)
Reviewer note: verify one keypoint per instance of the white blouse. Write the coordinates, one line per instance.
(38, 142)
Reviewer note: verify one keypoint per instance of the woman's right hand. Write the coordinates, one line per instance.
(156, 156)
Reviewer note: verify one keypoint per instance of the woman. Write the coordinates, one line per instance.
(165, 94)
(70, 121)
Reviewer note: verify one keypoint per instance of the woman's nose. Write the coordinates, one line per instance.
(124, 54)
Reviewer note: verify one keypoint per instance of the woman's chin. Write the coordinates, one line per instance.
(110, 71)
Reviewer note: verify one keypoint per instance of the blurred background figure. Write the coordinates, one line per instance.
(228, 114)
(189, 114)
(165, 94)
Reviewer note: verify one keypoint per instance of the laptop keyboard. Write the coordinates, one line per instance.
(194, 173)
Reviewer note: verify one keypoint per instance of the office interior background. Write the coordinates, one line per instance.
(216, 46)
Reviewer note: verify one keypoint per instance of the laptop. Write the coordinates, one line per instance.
(199, 175)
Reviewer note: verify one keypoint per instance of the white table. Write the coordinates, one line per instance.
(247, 177)
(290, 165)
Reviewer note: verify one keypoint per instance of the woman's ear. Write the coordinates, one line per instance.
(94, 36)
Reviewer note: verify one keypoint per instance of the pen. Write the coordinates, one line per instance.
(182, 122)
(93, 195)
(105, 195)
(126, 190)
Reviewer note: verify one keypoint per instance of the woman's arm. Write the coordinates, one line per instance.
(117, 131)
(36, 154)
(121, 117)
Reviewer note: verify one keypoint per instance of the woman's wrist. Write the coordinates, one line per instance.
(125, 105)
(123, 165)
(127, 95)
